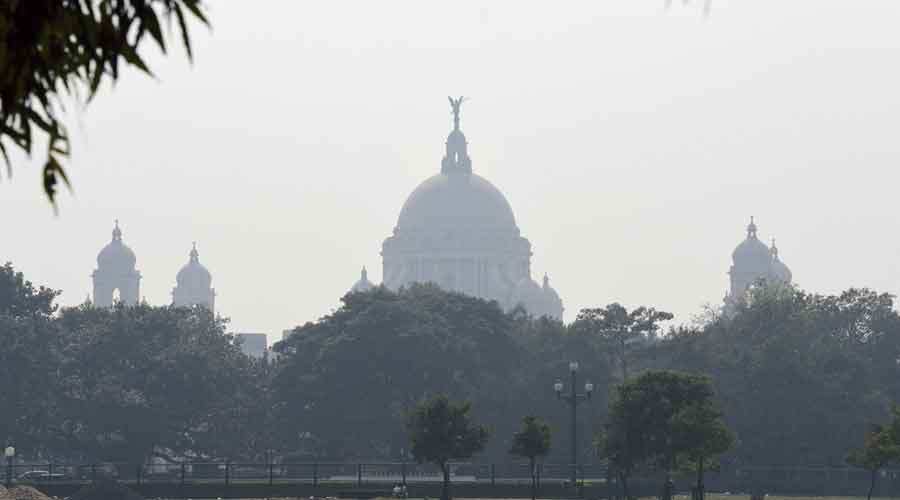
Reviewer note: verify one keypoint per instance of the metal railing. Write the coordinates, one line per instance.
(314, 473)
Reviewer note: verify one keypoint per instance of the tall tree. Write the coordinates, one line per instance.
(349, 380)
(531, 442)
(880, 448)
(441, 431)
(700, 433)
(50, 49)
(654, 417)
(147, 380)
(30, 354)
(622, 330)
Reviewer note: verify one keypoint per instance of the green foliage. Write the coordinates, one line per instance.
(620, 330)
(799, 374)
(659, 418)
(51, 48)
(20, 299)
(441, 431)
(350, 379)
(143, 379)
(533, 440)
(880, 449)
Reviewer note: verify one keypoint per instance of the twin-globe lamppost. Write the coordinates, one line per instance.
(9, 453)
(573, 398)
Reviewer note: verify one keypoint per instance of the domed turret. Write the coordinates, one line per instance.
(780, 271)
(194, 284)
(554, 302)
(116, 254)
(115, 273)
(754, 261)
(363, 284)
(751, 251)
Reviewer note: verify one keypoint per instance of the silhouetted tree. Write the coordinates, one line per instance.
(880, 448)
(532, 441)
(620, 329)
(441, 431)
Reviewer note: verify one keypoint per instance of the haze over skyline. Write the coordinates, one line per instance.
(633, 143)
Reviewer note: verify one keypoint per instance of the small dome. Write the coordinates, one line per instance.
(751, 250)
(194, 274)
(531, 296)
(779, 269)
(550, 292)
(363, 284)
(116, 255)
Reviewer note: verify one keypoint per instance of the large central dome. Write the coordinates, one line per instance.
(461, 200)
(457, 230)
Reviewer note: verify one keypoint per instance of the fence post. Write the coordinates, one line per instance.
(182, 473)
(139, 475)
(93, 473)
(315, 473)
(359, 475)
(493, 476)
(403, 472)
(271, 473)
(227, 473)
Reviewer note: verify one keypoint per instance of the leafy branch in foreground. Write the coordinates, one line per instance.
(51, 48)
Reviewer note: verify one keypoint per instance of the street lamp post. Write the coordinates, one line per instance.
(573, 398)
(9, 453)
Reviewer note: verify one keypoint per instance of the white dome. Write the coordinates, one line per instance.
(457, 200)
(116, 255)
(194, 274)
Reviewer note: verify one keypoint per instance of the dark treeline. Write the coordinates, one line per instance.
(798, 376)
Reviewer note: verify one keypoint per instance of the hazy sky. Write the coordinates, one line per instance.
(633, 143)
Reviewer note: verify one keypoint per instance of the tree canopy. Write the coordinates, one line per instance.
(440, 431)
(532, 441)
(51, 49)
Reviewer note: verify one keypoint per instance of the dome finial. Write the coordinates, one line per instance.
(194, 254)
(117, 233)
(774, 249)
(546, 280)
(364, 275)
(751, 229)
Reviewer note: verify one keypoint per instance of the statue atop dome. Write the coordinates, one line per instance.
(456, 159)
(456, 104)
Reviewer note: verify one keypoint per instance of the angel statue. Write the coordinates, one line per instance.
(455, 104)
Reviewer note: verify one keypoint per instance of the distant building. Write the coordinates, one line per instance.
(457, 230)
(753, 260)
(363, 284)
(253, 344)
(116, 278)
(194, 284)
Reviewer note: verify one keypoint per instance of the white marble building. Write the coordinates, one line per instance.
(457, 230)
